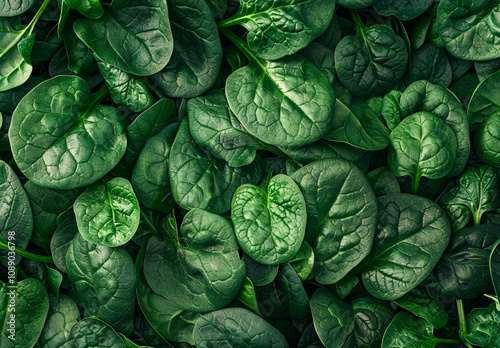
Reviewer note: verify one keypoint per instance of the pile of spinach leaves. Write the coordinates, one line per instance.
(252, 173)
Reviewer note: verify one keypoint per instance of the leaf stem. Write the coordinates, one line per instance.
(462, 323)
(414, 184)
(448, 340)
(240, 44)
(101, 94)
(35, 19)
(477, 218)
(359, 23)
(35, 257)
(273, 150)
(154, 88)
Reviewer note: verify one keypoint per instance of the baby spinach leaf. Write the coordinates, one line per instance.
(303, 261)
(422, 145)
(494, 262)
(482, 326)
(429, 63)
(61, 240)
(280, 28)
(80, 60)
(92, 332)
(402, 9)
(356, 4)
(142, 24)
(48, 155)
(89, 8)
(258, 273)
(150, 178)
(421, 304)
(247, 295)
(164, 314)
(103, 281)
(63, 314)
(486, 68)
(412, 234)
(476, 189)
(125, 88)
(215, 127)
(11, 8)
(408, 331)
(485, 100)
(197, 54)
(269, 222)
(285, 297)
(391, 112)
(357, 125)
(370, 63)
(469, 29)
(487, 140)
(199, 180)
(463, 271)
(426, 96)
(344, 215)
(203, 269)
(108, 213)
(47, 205)
(237, 327)
(16, 219)
(26, 323)
(383, 181)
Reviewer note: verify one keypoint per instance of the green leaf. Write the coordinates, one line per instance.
(355, 4)
(61, 240)
(280, 28)
(199, 180)
(303, 261)
(63, 314)
(125, 88)
(108, 213)
(165, 316)
(203, 269)
(487, 140)
(402, 9)
(476, 189)
(11, 8)
(469, 29)
(213, 126)
(429, 63)
(46, 155)
(426, 96)
(89, 8)
(421, 304)
(485, 100)
(142, 24)
(103, 282)
(284, 103)
(269, 222)
(463, 271)
(482, 327)
(258, 273)
(197, 54)
(150, 178)
(247, 295)
(412, 234)
(372, 62)
(95, 333)
(237, 327)
(344, 215)
(494, 262)
(357, 125)
(54, 278)
(24, 322)
(422, 145)
(80, 60)
(383, 181)
(16, 219)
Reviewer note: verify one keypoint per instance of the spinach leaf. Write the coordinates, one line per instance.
(412, 234)
(258, 273)
(402, 9)
(237, 327)
(197, 54)
(89, 8)
(103, 281)
(203, 268)
(61, 240)
(269, 222)
(92, 332)
(26, 323)
(487, 140)
(47, 155)
(383, 181)
(11, 8)
(422, 305)
(303, 261)
(280, 28)
(485, 100)
(344, 215)
(422, 145)
(482, 324)
(63, 314)
(429, 63)
(494, 268)
(143, 24)
(108, 213)
(469, 29)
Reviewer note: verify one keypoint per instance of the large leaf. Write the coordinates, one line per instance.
(269, 222)
(103, 281)
(197, 54)
(203, 269)
(277, 28)
(469, 28)
(11, 8)
(341, 221)
(108, 213)
(411, 236)
(236, 327)
(79, 143)
(199, 180)
(16, 219)
(29, 310)
(142, 24)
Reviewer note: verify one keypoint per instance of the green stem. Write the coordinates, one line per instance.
(359, 23)
(35, 257)
(273, 150)
(35, 19)
(145, 219)
(154, 89)
(462, 323)
(477, 218)
(414, 184)
(448, 340)
(240, 45)
(101, 94)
